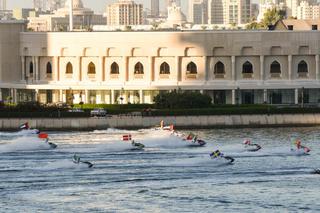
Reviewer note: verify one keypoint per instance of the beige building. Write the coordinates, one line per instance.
(308, 11)
(125, 12)
(232, 67)
(83, 18)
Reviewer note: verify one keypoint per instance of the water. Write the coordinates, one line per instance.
(166, 177)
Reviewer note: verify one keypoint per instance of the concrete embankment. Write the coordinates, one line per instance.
(131, 122)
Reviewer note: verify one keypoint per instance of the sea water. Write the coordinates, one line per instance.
(168, 176)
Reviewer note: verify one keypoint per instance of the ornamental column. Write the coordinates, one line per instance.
(233, 97)
(141, 96)
(79, 74)
(56, 73)
(178, 70)
(233, 68)
(61, 95)
(151, 68)
(23, 68)
(101, 76)
(262, 67)
(125, 68)
(206, 71)
(317, 67)
(296, 96)
(37, 68)
(112, 97)
(290, 67)
(265, 96)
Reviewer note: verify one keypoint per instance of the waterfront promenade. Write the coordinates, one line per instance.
(133, 122)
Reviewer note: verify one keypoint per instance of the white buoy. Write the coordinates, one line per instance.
(71, 15)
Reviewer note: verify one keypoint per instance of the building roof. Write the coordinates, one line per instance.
(297, 24)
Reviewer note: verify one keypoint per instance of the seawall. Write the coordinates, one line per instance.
(132, 122)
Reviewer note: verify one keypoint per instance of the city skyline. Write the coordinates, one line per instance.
(96, 5)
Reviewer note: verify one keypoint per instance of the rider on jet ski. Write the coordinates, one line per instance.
(217, 154)
(250, 146)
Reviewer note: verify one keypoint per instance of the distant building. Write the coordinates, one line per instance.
(125, 12)
(291, 7)
(237, 12)
(308, 11)
(83, 19)
(299, 25)
(175, 18)
(24, 13)
(263, 8)
(229, 12)
(198, 11)
(3, 4)
(155, 8)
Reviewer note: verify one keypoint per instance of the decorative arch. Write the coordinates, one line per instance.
(31, 68)
(302, 67)
(114, 68)
(69, 68)
(138, 68)
(275, 67)
(91, 68)
(49, 68)
(164, 68)
(219, 68)
(192, 68)
(247, 68)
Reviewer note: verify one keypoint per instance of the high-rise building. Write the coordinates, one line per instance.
(155, 8)
(308, 11)
(291, 7)
(216, 11)
(198, 11)
(238, 12)
(125, 12)
(3, 4)
(48, 5)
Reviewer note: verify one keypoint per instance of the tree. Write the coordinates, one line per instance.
(271, 16)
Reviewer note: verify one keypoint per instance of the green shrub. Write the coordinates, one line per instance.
(179, 99)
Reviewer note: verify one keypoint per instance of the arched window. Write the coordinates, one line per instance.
(275, 67)
(164, 68)
(31, 68)
(49, 68)
(192, 68)
(138, 68)
(114, 68)
(247, 68)
(302, 67)
(69, 68)
(91, 68)
(219, 68)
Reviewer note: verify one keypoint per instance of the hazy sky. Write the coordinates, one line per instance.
(97, 5)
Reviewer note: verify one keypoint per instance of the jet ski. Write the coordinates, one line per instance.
(137, 146)
(193, 141)
(45, 136)
(250, 147)
(300, 149)
(26, 130)
(217, 155)
(52, 145)
(76, 159)
(316, 171)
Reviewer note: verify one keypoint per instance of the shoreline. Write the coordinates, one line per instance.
(180, 122)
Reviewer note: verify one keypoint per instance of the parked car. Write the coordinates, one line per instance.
(99, 112)
(75, 110)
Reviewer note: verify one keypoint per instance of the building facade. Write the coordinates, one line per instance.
(308, 11)
(198, 11)
(155, 8)
(233, 67)
(125, 12)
